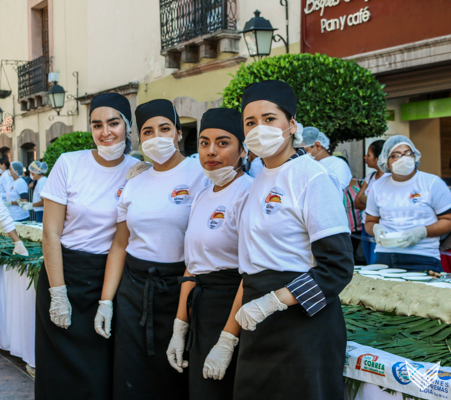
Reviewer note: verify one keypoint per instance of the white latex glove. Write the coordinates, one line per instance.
(412, 237)
(378, 230)
(60, 308)
(20, 249)
(137, 169)
(256, 311)
(219, 357)
(26, 206)
(177, 346)
(102, 320)
(7, 203)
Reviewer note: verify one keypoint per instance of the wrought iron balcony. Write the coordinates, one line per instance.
(32, 77)
(184, 20)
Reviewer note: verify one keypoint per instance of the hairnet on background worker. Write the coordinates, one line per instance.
(390, 145)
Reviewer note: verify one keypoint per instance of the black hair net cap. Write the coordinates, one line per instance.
(275, 91)
(227, 119)
(113, 100)
(156, 108)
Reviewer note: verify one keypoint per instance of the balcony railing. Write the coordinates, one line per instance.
(32, 76)
(183, 20)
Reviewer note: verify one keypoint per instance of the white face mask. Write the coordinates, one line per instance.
(265, 140)
(314, 157)
(404, 166)
(112, 152)
(159, 149)
(222, 176)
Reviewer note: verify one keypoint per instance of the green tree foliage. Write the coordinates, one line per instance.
(340, 98)
(66, 143)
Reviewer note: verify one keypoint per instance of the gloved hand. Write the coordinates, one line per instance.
(412, 237)
(20, 249)
(102, 320)
(256, 311)
(378, 230)
(7, 203)
(137, 169)
(60, 308)
(177, 345)
(219, 357)
(26, 206)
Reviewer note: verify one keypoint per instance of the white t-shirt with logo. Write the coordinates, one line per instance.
(339, 168)
(17, 187)
(288, 208)
(90, 193)
(211, 241)
(405, 205)
(37, 193)
(156, 206)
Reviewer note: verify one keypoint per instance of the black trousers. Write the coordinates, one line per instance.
(74, 363)
(146, 306)
(290, 355)
(211, 301)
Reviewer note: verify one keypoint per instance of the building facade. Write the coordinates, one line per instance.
(407, 45)
(181, 50)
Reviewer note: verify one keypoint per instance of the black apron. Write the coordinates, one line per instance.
(146, 306)
(74, 363)
(211, 301)
(290, 355)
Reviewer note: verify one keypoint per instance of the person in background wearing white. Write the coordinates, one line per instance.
(5, 177)
(316, 143)
(147, 258)
(80, 203)
(37, 170)
(414, 203)
(295, 255)
(211, 257)
(371, 159)
(253, 164)
(7, 224)
(18, 193)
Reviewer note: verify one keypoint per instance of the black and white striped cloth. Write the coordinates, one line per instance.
(304, 288)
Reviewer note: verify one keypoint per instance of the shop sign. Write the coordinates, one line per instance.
(7, 125)
(335, 24)
(426, 109)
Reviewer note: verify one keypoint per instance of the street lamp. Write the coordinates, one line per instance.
(258, 34)
(56, 97)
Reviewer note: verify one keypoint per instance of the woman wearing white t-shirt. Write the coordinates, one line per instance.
(146, 259)
(371, 158)
(17, 194)
(211, 257)
(37, 170)
(415, 203)
(296, 256)
(80, 201)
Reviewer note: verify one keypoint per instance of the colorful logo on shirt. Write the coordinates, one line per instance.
(415, 197)
(217, 218)
(119, 191)
(273, 201)
(180, 194)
